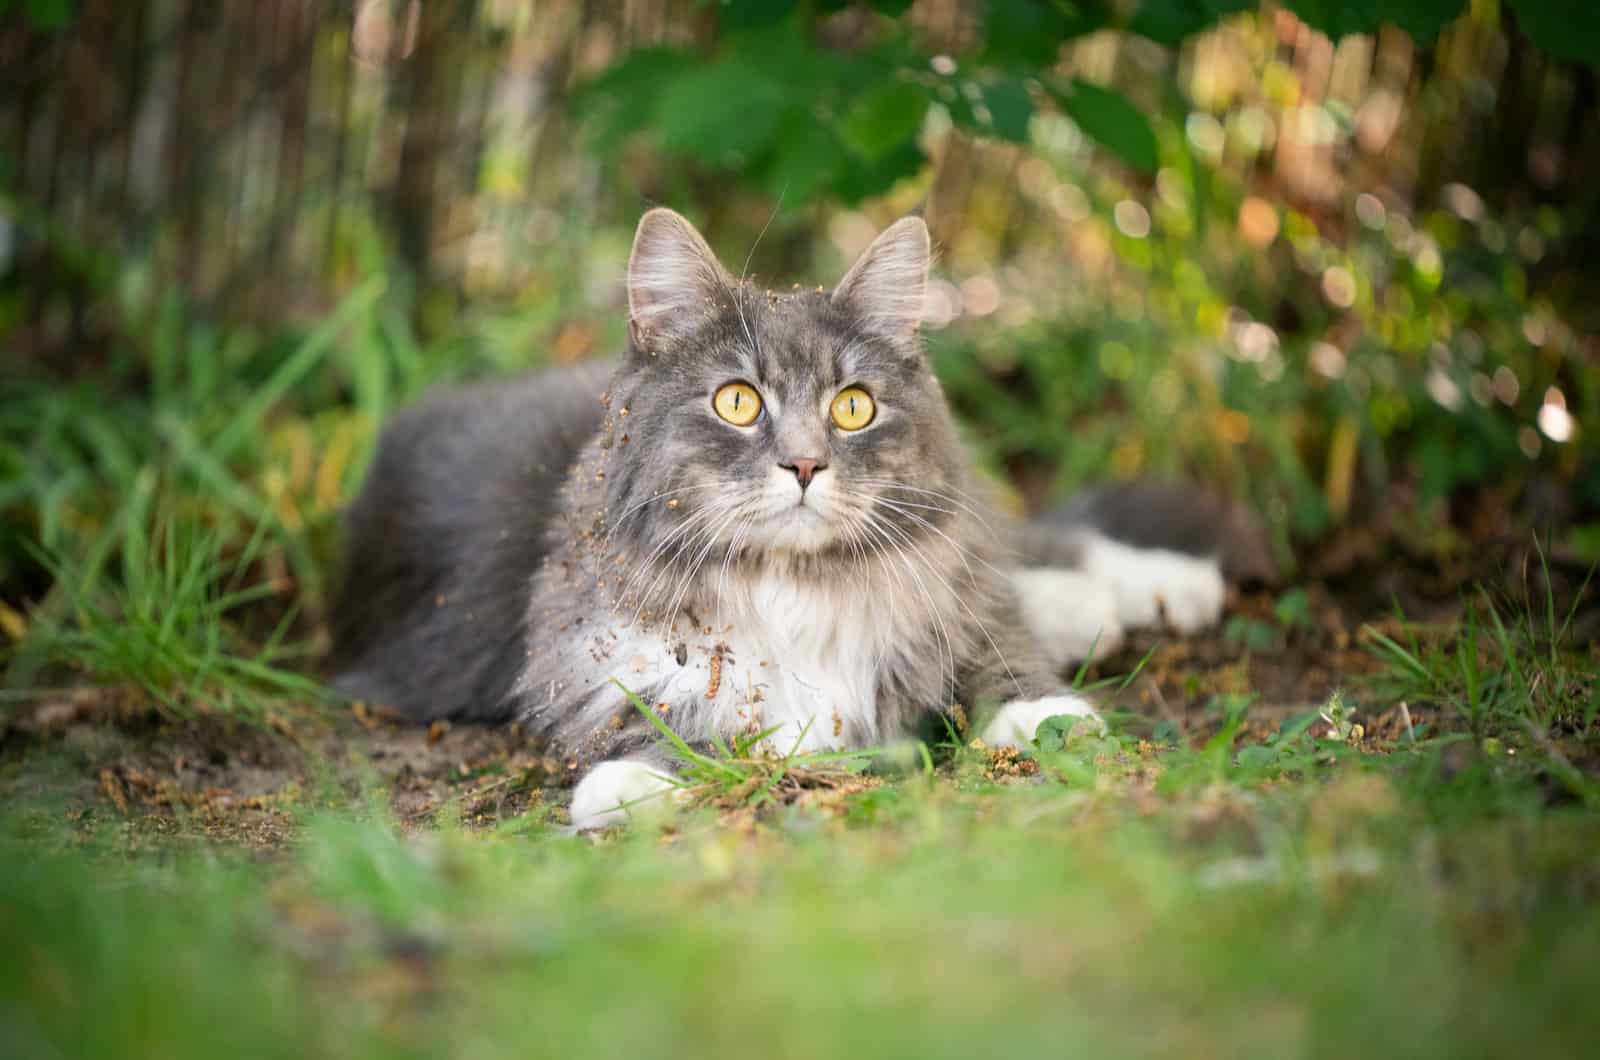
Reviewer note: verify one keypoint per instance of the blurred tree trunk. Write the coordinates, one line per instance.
(1516, 115)
(188, 105)
(430, 82)
(297, 16)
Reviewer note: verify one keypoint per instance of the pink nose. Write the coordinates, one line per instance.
(804, 468)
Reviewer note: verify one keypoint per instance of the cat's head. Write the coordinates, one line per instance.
(801, 422)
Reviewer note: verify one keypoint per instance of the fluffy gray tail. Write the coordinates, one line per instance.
(1146, 513)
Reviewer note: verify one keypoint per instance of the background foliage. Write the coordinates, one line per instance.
(1329, 257)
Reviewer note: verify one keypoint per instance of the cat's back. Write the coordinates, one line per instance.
(462, 428)
(445, 535)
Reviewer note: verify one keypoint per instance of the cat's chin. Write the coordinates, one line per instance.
(799, 529)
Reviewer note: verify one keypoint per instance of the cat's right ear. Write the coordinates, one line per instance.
(674, 280)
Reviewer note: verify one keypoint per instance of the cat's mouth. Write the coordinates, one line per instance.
(799, 527)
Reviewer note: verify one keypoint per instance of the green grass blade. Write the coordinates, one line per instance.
(295, 368)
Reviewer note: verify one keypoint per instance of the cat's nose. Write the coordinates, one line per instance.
(804, 468)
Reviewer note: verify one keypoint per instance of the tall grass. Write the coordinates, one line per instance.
(178, 536)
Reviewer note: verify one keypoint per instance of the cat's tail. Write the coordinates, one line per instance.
(1156, 515)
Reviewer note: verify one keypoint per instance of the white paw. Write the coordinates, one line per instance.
(1072, 615)
(613, 791)
(1018, 720)
(1153, 584)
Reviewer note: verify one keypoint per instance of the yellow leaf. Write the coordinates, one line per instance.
(12, 623)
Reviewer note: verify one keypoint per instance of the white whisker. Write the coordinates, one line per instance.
(616, 524)
(961, 603)
(686, 534)
(962, 550)
(699, 561)
(965, 502)
(935, 611)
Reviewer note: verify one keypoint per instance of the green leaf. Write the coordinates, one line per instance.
(1171, 22)
(1254, 634)
(1296, 727)
(1584, 540)
(48, 14)
(1293, 610)
(1567, 29)
(1002, 108)
(736, 15)
(1256, 756)
(1030, 32)
(1422, 19)
(1054, 731)
(1338, 18)
(807, 159)
(1107, 117)
(620, 100)
(719, 112)
(883, 119)
(861, 179)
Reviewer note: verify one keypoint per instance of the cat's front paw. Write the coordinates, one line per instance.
(1154, 585)
(613, 791)
(1018, 720)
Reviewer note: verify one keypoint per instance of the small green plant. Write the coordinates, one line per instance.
(1292, 610)
(1250, 633)
(744, 772)
(1510, 673)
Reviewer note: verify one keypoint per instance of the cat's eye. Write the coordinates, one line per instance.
(738, 403)
(853, 409)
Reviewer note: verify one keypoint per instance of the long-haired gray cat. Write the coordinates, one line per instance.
(761, 517)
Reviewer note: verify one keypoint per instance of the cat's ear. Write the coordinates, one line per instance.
(884, 289)
(674, 280)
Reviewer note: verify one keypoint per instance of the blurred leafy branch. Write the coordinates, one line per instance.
(803, 106)
(41, 14)
(1328, 359)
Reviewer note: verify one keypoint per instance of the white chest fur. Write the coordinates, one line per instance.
(772, 652)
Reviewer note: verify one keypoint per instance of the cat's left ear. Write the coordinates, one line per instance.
(884, 289)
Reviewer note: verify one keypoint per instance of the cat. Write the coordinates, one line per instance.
(760, 518)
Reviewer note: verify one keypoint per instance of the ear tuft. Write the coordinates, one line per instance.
(674, 279)
(886, 285)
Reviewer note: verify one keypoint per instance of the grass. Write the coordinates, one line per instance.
(1495, 669)
(745, 775)
(165, 620)
(1403, 867)
(184, 534)
(952, 916)
(1318, 891)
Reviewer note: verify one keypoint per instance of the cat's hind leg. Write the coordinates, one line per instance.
(1150, 584)
(1155, 586)
(1084, 612)
(1072, 615)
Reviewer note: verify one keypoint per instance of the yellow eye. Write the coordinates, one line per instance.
(738, 403)
(853, 409)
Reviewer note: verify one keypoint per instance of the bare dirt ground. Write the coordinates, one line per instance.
(101, 754)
